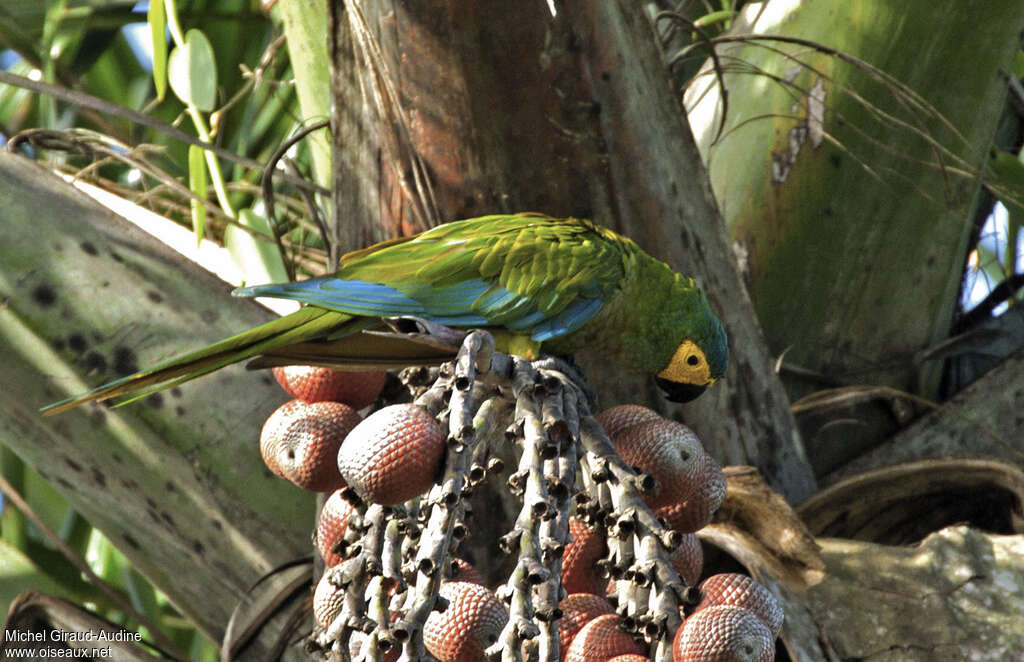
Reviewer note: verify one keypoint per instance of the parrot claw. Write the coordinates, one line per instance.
(440, 333)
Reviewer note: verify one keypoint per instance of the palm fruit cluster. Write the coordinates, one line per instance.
(606, 561)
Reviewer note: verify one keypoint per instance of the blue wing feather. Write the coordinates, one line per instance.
(470, 303)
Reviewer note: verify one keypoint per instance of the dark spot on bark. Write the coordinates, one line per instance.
(166, 516)
(65, 484)
(575, 43)
(198, 547)
(98, 417)
(59, 344)
(154, 296)
(217, 524)
(175, 392)
(834, 160)
(150, 503)
(105, 283)
(265, 378)
(57, 246)
(156, 401)
(44, 295)
(117, 458)
(94, 363)
(209, 316)
(98, 476)
(605, 76)
(595, 109)
(469, 202)
(130, 541)
(130, 484)
(72, 464)
(828, 211)
(117, 256)
(77, 343)
(169, 486)
(88, 248)
(179, 411)
(125, 360)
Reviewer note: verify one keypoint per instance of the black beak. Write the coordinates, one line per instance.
(677, 392)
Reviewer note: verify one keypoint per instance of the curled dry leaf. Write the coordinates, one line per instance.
(759, 529)
(917, 499)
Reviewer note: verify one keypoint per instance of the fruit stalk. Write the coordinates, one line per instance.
(444, 499)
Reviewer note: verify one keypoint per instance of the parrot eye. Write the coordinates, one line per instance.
(693, 359)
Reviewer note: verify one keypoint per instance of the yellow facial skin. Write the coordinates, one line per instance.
(688, 366)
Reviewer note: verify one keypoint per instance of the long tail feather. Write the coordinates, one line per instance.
(303, 325)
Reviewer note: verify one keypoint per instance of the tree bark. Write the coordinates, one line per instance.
(174, 481)
(574, 115)
(959, 595)
(983, 420)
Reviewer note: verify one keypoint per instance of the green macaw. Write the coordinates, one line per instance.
(539, 284)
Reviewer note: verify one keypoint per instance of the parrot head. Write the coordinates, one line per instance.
(701, 355)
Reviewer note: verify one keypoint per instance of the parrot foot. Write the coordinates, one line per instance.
(568, 367)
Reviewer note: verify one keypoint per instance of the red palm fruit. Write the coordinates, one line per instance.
(311, 383)
(694, 513)
(630, 657)
(327, 601)
(587, 547)
(616, 419)
(723, 634)
(463, 571)
(472, 622)
(601, 639)
(331, 527)
(578, 609)
(688, 559)
(300, 442)
(669, 451)
(394, 455)
(738, 590)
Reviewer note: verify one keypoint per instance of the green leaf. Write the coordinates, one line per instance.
(1008, 184)
(258, 258)
(157, 18)
(19, 573)
(714, 17)
(197, 182)
(192, 71)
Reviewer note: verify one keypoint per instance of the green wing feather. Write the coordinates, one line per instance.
(519, 271)
(545, 260)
